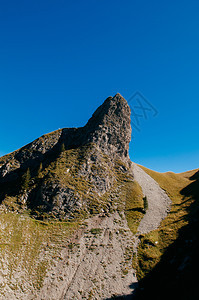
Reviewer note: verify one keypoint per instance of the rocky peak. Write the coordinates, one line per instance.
(110, 127)
(70, 171)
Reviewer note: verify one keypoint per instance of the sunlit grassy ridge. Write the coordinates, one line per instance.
(154, 244)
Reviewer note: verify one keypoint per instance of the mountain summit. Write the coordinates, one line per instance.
(79, 220)
(110, 127)
(62, 172)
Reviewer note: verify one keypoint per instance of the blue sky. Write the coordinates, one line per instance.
(59, 60)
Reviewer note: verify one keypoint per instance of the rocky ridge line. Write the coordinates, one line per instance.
(109, 128)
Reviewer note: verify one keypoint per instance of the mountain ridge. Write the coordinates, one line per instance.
(75, 222)
(34, 174)
(91, 132)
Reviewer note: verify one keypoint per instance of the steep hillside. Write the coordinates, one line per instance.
(63, 173)
(79, 220)
(63, 203)
(168, 268)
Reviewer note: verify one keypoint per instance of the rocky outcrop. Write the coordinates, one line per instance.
(98, 267)
(71, 167)
(110, 127)
(78, 176)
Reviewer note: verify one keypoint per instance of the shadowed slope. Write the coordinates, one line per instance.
(172, 272)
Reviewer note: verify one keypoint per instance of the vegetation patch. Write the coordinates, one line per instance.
(183, 211)
(133, 204)
(96, 231)
(28, 246)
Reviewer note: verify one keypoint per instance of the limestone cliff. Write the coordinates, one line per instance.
(78, 220)
(63, 232)
(61, 173)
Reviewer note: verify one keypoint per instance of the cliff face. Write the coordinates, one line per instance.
(74, 219)
(61, 173)
(63, 232)
(110, 128)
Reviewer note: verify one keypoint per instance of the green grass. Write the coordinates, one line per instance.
(66, 170)
(154, 244)
(29, 245)
(133, 204)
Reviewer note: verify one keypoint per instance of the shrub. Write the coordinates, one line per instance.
(95, 231)
(40, 170)
(145, 201)
(63, 147)
(25, 180)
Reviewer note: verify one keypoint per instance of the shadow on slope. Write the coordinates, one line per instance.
(176, 274)
(126, 297)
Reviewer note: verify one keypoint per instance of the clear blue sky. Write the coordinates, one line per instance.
(60, 59)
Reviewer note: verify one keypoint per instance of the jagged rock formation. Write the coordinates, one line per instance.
(74, 223)
(67, 167)
(62, 199)
(109, 128)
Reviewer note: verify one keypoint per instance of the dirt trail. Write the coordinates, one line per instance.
(97, 262)
(100, 264)
(158, 201)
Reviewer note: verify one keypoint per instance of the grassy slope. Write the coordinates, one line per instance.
(27, 246)
(134, 205)
(175, 230)
(64, 169)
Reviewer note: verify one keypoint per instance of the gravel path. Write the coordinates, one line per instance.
(98, 263)
(158, 201)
